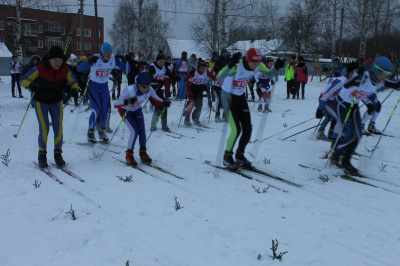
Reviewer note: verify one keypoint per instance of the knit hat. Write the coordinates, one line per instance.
(83, 58)
(160, 55)
(382, 65)
(56, 52)
(73, 57)
(301, 58)
(201, 63)
(224, 50)
(168, 57)
(253, 55)
(118, 51)
(106, 47)
(143, 78)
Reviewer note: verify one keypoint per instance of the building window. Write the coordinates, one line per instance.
(88, 33)
(88, 46)
(78, 46)
(40, 28)
(78, 32)
(53, 41)
(1, 25)
(1, 39)
(62, 31)
(99, 34)
(40, 44)
(27, 29)
(53, 26)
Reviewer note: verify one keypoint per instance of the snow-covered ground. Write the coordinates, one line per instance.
(224, 221)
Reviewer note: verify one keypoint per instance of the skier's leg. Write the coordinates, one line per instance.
(57, 116)
(42, 116)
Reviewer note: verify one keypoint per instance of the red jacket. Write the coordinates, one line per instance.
(301, 73)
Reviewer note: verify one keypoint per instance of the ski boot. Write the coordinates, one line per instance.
(13, 95)
(165, 128)
(42, 159)
(196, 122)
(218, 119)
(144, 157)
(372, 129)
(21, 96)
(364, 131)
(109, 130)
(58, 158)
(187, 121)
(241, 160)
(229, 162)
(102, 135)
(260, 109)
(91, 136)
(130, 161)
(334, 161)
(266, 109)
(321, 135)
(347, 166)
(113, 97)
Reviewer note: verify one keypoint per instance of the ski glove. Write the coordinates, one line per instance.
(279, 64)
(33, 86)
(94, 59)
(130, 100)
(235, 59)
(166, 103)
(192, 72)
(319, 114)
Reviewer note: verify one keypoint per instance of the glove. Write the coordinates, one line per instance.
(273, 82)
(177, 78)
(94, 59)
(279, 64)
(166, 103)
(235, 59)
(33, 86)
(192, 72)
(130, 100)
(319, 114)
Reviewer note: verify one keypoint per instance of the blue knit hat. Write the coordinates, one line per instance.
(382, 65)
(106, 47)
(143, 78)
(118, 51)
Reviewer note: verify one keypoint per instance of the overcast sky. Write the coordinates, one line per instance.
(178, 22)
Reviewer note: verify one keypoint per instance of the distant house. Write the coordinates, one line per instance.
(175, 47)
(267, 46)
(4, 52)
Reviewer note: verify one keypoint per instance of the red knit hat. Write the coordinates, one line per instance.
(254, 55)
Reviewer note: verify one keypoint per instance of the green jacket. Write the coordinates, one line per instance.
(289, 72)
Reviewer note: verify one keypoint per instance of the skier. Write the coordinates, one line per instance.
(361, 85)
(130, 102)
(235, 76)
(198, 79)
(220, 63)
(301, 75)
(134, 67)
(290, 79)
(182, 69)
(326, 99)
(71, 93)
(15, 69)
(117, 75)
(47, 80)
(263, 86)
(157, 73)
(168, 81)
(33, 61)
(101, 67)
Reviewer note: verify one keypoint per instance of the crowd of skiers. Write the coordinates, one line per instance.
(225, 79)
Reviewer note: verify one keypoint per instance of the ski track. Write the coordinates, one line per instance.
(223, 220)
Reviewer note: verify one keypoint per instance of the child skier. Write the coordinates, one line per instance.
(236, 76)
(263, 86)
(130, 103)
(47, 81)
(15, 69)
(182, 69)
(198, 79)
(360, 86)
(102, 65)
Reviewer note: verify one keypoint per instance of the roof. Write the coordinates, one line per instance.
(176, 47)
(4, 52)
(266, 47)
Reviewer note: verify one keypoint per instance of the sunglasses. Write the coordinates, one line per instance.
(387, 73)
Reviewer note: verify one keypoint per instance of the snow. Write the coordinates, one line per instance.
(224, 221)
(177, 46)
(4, 52)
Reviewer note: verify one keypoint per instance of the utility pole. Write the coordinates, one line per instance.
(215, 26)
(82, 30)
(341, 30)
(97, 27)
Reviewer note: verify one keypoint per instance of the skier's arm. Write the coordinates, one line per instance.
(225, 72)
(335, 86)
(210, 75)
(189, 76)
(124, 95)
(83, 66)
(71, 80)
(155, 97)
(394, 84)
(122, 66)
(29, 77)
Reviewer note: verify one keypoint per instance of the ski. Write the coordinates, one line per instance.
(239, 172)
(261, 172)
(135, 167)
(48, 172)
(68, 172)
(162, 170)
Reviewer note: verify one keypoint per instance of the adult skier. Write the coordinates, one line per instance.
(236, 76)
(182, 69)
(361, 85)
(130, 103)
(15, 68)
(47, 81)
(198, 79)
(101, 67)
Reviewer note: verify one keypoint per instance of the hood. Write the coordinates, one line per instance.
(33, 58)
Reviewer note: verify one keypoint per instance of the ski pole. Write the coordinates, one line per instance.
(84, 93)
(115, 132)
(287, 129)
(151, 132)
(319, 123)
(27, 108)
(301, 131)
(387, 96)
(345, 120)
(394, 109)
(182, 112)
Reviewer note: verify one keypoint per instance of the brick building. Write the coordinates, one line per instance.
(42, 29)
